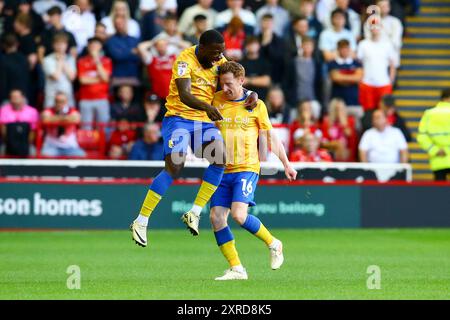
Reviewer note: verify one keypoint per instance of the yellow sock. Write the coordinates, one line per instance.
(229, 251)
(264, 235)
(204, 194)
(150, 202)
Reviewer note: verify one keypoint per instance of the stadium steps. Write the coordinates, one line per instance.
(424, 72)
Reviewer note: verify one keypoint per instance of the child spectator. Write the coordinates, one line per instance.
(308, 149)
(305, 121)
(60, 70)
(339, 134)
(122, 139)
(60, 123)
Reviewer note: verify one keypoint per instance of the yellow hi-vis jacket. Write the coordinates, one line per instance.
(434, 134)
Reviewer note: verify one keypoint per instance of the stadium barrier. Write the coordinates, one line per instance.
(56, 204)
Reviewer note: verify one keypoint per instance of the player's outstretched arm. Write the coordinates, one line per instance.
(278, 149)
(184, 90)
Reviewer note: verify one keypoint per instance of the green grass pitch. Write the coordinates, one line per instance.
(319, 264)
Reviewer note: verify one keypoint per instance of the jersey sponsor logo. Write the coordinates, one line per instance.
(182, 68)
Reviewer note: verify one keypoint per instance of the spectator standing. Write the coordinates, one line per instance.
(94, 73)
(55, 27)
(329, 38)
(353, 20)
(345, 73)
(171, 34)
(383, 143)
(60, 70)
(235, 8)
(121, 9)
(80, 24)
(234, 38)
(27, 45)
(60, 123)
(153, 13)
(306, 73)
(159, 64)
(307, 9)
(257, 69)
(24, 7)
(394, 118)
(279, 14)
(122, 49)
(279, 111)
(434, 136)
(272, 48)
(200, 26)
(391, 28)
(300, 30)
(125, 106)
(379, 62)
(149, 147)
(187, 19)
(18, 122)
(14, 68)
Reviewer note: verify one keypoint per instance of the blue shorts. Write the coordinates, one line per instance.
(179, 133)
(235, 187)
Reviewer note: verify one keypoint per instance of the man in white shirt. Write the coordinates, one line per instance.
(379, 61)
(235, 9)
(280, 17)
(329, 38)
(353, 23)
(81, 24)
(186, 23)
(391, 27)
(383, 143)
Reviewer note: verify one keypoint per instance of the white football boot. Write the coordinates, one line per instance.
(233, 274)
(276, 254)
(139, 233)
(191, 220)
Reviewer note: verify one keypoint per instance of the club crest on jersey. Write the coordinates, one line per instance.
(171, 144)
(182, 68)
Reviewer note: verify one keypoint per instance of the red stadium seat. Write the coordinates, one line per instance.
(93, 142)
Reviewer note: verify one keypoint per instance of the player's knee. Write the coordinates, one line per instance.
(239, 217)
(218, 221)
(174, 167)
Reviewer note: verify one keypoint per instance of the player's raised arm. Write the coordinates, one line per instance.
(184, 90)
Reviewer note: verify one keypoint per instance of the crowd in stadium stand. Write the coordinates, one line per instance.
(91, 80)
